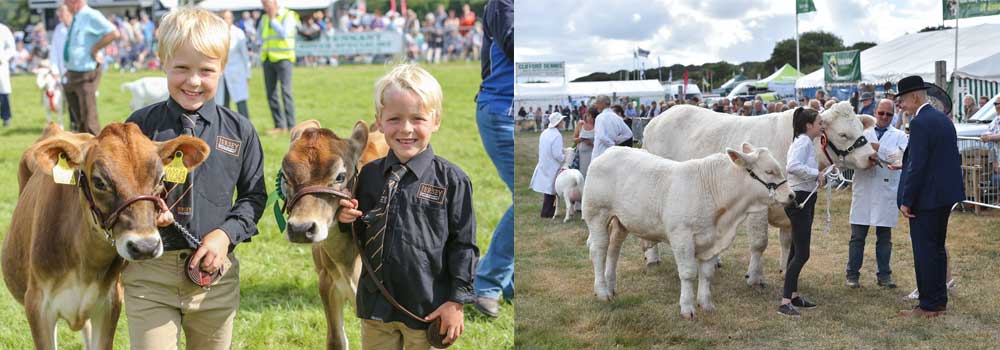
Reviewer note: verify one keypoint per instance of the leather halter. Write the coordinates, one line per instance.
(770, 185)
(315, 190)
(109, 221)
(825, 141)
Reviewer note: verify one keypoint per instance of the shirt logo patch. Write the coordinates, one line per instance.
(431, 193)
(232, 147)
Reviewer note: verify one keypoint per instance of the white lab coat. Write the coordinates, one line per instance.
(550, 159)
(7, 52)
(873, 199)
(609, 130)
(237, 70)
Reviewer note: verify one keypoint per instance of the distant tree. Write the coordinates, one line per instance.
(812, 45)
(14, 14)
(932, 29)
(861, 45)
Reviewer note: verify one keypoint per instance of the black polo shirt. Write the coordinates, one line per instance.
(429, 253)
(235, 162)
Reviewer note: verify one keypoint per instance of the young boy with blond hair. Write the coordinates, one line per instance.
(160, 300)
(417, 229)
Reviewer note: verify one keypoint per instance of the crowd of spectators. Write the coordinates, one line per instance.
(440, 36)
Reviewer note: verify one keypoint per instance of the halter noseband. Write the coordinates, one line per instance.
(109, 221)
(771, 186)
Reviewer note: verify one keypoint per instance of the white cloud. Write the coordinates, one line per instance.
(593, 35)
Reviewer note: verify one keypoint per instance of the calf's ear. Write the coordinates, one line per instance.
(738, 158)
(866, 120)
(747, 147)
(195, 150)
(47, 154)
(359, 139)
(302, 127)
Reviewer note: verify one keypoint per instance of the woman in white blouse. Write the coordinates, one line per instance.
(803, 177)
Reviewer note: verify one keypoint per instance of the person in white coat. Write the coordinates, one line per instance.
(59, 39)
(873, 202)
(7, 52)
(609, 128)
(550, 159)
(236, 75)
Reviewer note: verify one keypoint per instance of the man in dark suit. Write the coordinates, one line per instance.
(931, 182)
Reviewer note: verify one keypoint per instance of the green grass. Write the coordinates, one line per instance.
(557, 309)
(281, 308)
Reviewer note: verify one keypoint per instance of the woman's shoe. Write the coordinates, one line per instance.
(802, 303)
(788, 310)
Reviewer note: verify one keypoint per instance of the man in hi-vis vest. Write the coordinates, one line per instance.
(277, 53)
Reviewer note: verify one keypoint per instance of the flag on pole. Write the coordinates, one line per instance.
(639, 52)
(804, 6)
(684, 96)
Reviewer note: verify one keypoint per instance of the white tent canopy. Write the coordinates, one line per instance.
(559, 93)
(915, 54)
(240, 5)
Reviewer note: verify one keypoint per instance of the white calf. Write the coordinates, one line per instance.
(146, 91)
(694, 205)
(569, 185)
(52, 98)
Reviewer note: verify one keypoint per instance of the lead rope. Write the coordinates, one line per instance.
(831, 172)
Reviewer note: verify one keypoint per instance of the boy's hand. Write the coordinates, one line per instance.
(164, 219)
(213, 251)
(452, 320)
(348, 211)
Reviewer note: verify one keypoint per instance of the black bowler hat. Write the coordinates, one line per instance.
(910, 84)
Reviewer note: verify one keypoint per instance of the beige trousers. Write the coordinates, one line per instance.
(160, 301)
(378, 335)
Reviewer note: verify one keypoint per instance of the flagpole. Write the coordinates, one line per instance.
(798, 63)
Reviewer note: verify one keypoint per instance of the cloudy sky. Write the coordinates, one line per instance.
(599, 35)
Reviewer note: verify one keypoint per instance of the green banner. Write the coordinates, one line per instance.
(804, 6)
(842, 66)
(970, 8)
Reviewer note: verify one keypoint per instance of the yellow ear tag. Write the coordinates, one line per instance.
(175, 171)
(62, 173)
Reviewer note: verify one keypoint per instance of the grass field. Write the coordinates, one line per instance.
(281, 308)
(557, 309)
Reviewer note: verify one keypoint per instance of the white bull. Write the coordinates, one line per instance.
(687, 132)
(569, 185)
(695, 205)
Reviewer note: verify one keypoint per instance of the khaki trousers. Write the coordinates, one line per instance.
(378, 335)
(160, 301)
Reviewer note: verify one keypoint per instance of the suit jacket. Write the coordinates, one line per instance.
(932, 166)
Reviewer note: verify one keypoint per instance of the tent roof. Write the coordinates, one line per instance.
(239, 5)
(632, 88)
(915, 54)
(784, 75)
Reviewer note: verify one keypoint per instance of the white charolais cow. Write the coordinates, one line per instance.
(694, 205)
(146, 91)
(687, 132)
(569, 185)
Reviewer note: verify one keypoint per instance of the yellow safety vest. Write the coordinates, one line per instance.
(275, 48)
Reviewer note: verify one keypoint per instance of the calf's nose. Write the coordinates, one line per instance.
(302, 232)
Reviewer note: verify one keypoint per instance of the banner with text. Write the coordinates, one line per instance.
(367, 43)
(970, 8)
(842, 66)
(540, 69)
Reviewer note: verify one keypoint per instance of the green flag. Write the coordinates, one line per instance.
(804, 6)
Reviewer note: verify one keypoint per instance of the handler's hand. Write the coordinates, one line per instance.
(213, 251)
(348, 211)
(821, 179)
(893, 167)
(906, 211)
(452, 320)
(164, 219)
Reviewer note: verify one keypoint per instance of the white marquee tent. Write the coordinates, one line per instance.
(915, 54)
(545, 94)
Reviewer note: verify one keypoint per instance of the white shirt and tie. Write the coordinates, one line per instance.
(609, 130)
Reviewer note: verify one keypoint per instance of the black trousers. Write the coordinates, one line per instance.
(802, 219)
(928, 232)
(549, 206)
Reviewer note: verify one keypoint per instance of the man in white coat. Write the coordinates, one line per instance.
(550, 159)
(236, 75)
(609, 128)
(7, 51)
(873, 202)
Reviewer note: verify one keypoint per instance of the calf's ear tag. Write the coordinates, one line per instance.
(62, 173)
(175, 171)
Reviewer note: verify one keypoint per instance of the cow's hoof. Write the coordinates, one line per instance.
(688, 315)
(602, 296)
(718, 265)
(707, 307)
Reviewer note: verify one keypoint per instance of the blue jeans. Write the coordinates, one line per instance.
(495, 273)
(856, 251)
